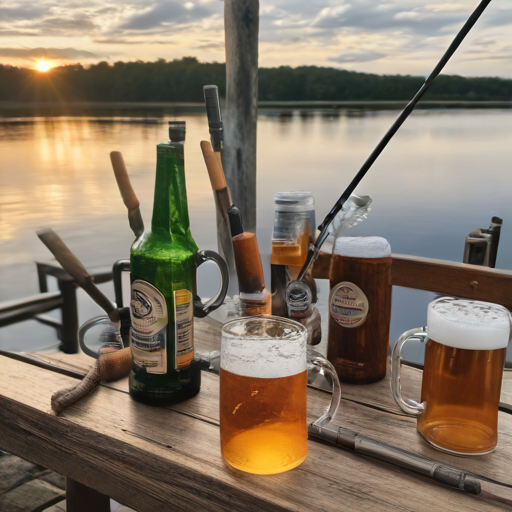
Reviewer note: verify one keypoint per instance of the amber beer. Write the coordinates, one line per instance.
(263, 400)
(264, 422)
(461, 389)
(466, 342)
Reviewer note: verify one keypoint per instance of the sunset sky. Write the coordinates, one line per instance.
(386, 37)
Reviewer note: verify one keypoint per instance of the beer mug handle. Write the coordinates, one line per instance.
(318, 360)
(407, 405)
(202, 309)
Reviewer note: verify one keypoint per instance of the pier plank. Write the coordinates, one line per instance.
(369, 410)
(169, 458)
(33, 496)
(441, 276)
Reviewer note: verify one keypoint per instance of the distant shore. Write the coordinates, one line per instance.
(263, 105)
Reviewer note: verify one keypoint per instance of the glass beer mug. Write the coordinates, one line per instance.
(263, 394)
(466, 343)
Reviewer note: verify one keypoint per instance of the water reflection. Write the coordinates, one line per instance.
(445, 174)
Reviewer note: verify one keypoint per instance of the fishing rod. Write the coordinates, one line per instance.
(324, 227)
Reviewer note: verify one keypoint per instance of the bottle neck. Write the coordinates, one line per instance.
(170, 208)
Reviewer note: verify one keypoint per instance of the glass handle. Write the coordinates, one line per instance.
(119, 267)
(407, 405)
(204, 309)
(318, 360)
(104, 336)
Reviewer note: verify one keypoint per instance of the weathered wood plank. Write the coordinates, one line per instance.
(207, 338)
(59, 507)
(111, 453)
(369, 410)
(241, 28)
(15, 471)
(80, 498)
(442, 276)
(54, 479)
(33, 496)
(163, 459)
(322, 266)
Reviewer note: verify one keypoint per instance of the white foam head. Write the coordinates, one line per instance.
(263, 347)
(362, 247)
(468, 324)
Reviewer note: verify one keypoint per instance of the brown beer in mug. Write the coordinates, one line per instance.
(461, 389)
(263, 394)
(264, 422)
(466, 343)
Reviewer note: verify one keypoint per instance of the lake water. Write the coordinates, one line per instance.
(446, 173)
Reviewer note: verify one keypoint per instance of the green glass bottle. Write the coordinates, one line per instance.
(163, 271)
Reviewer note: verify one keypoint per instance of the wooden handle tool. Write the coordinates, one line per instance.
(214, 167)
(74, 267)
(123, 181)
(223, 202)
(127, 193)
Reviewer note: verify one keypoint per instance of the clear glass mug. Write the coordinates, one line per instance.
(263, 394)
(466, 342)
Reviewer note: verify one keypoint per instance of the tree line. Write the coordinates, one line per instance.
(182, 80)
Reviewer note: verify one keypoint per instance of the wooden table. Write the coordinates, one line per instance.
(168, 458)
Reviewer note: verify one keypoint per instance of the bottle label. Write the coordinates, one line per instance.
(148, 312)
(184, 328)
(348, 304)
(298, 300)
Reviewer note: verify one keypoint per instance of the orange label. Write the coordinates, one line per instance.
(184, 328)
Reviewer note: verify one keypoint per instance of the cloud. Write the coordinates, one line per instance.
(48, 53)
(366, 14)
(118, 40)
(288, 19)
(79, 23)
(499, 53)
(498, 17)
(446, 7)
(169, 13)
(22, 12)
(211, 46)
(330, 17)
(15, 33)
(385, 36)
(358, 56)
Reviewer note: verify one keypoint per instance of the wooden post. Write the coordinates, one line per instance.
(80, 498)
(241, 25)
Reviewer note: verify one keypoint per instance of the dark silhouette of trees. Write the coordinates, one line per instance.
(182, 81)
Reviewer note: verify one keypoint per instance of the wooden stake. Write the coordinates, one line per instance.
(241, 25)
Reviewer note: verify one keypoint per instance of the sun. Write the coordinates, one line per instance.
(43, 65)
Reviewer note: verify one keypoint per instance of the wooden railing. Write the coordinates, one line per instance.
(442, 276)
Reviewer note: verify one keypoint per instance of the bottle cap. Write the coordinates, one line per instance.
(177, 131)
(235, 221)
(295, 200)
(497, 220)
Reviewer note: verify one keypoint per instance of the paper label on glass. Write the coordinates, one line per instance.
(148, 312)
(184, 328)
(348, 304)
